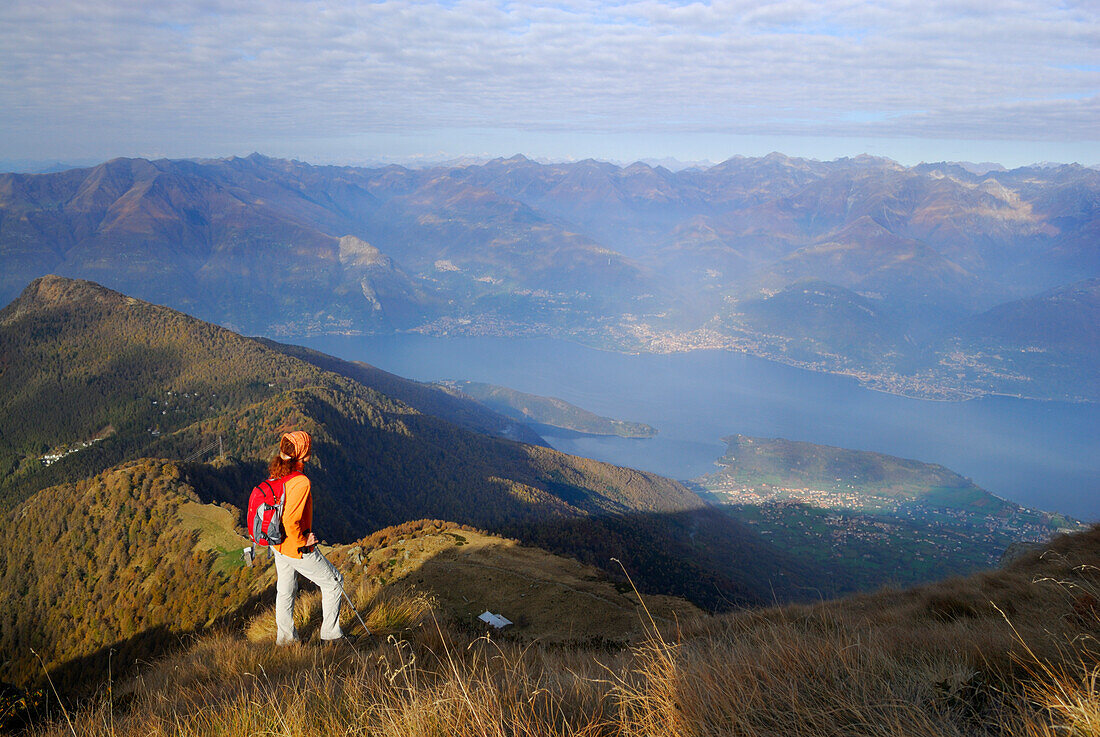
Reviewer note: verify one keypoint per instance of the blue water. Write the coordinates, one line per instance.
(1040, 454)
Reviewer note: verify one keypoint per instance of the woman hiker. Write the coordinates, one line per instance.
(297, 553)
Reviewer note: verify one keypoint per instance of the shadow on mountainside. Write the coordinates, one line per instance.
(83, 676)
(700, 554)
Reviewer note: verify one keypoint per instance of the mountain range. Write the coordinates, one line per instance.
(926, 280)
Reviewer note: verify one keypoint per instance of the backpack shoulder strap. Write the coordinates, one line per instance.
(268, 486)
(279, 485)
(285, 479)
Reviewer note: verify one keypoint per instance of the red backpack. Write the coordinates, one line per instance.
(265, 511)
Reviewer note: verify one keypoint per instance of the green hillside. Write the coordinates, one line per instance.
(546, 410)
(868, 518)
(780, 462)
(117, 566)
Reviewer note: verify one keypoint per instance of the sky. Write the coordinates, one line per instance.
(343, 81)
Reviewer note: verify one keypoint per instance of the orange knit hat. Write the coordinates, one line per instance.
(300, 441)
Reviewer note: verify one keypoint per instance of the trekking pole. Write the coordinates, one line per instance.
(345, 593)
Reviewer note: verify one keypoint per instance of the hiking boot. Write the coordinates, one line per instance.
(338, 643)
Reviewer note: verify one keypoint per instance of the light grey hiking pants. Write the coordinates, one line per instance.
(317, 569)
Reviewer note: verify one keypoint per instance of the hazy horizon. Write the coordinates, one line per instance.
(39, 166)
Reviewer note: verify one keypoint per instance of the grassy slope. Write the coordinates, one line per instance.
(1009, 653)
(463, 572)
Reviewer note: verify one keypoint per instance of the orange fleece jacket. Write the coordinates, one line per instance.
(297, 516)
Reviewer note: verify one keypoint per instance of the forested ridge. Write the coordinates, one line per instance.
(426, 398)
(100, 389)
(105, 568)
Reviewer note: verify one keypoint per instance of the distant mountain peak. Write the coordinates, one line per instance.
(672, 164)
(978, 169)
(254, 159)
(53, 289)
(875, 161)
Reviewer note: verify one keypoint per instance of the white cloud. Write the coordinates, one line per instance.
(184, 74)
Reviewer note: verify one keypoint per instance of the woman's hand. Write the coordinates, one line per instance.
(311, 540)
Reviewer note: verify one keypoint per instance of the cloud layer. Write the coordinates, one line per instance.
(220, 70)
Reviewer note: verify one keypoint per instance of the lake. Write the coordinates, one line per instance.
(1039, 454)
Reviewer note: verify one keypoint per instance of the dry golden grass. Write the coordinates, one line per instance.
(383, 611)
(550, 598)
(1006, 654)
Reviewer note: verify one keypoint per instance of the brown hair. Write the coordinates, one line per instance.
(284, 463)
